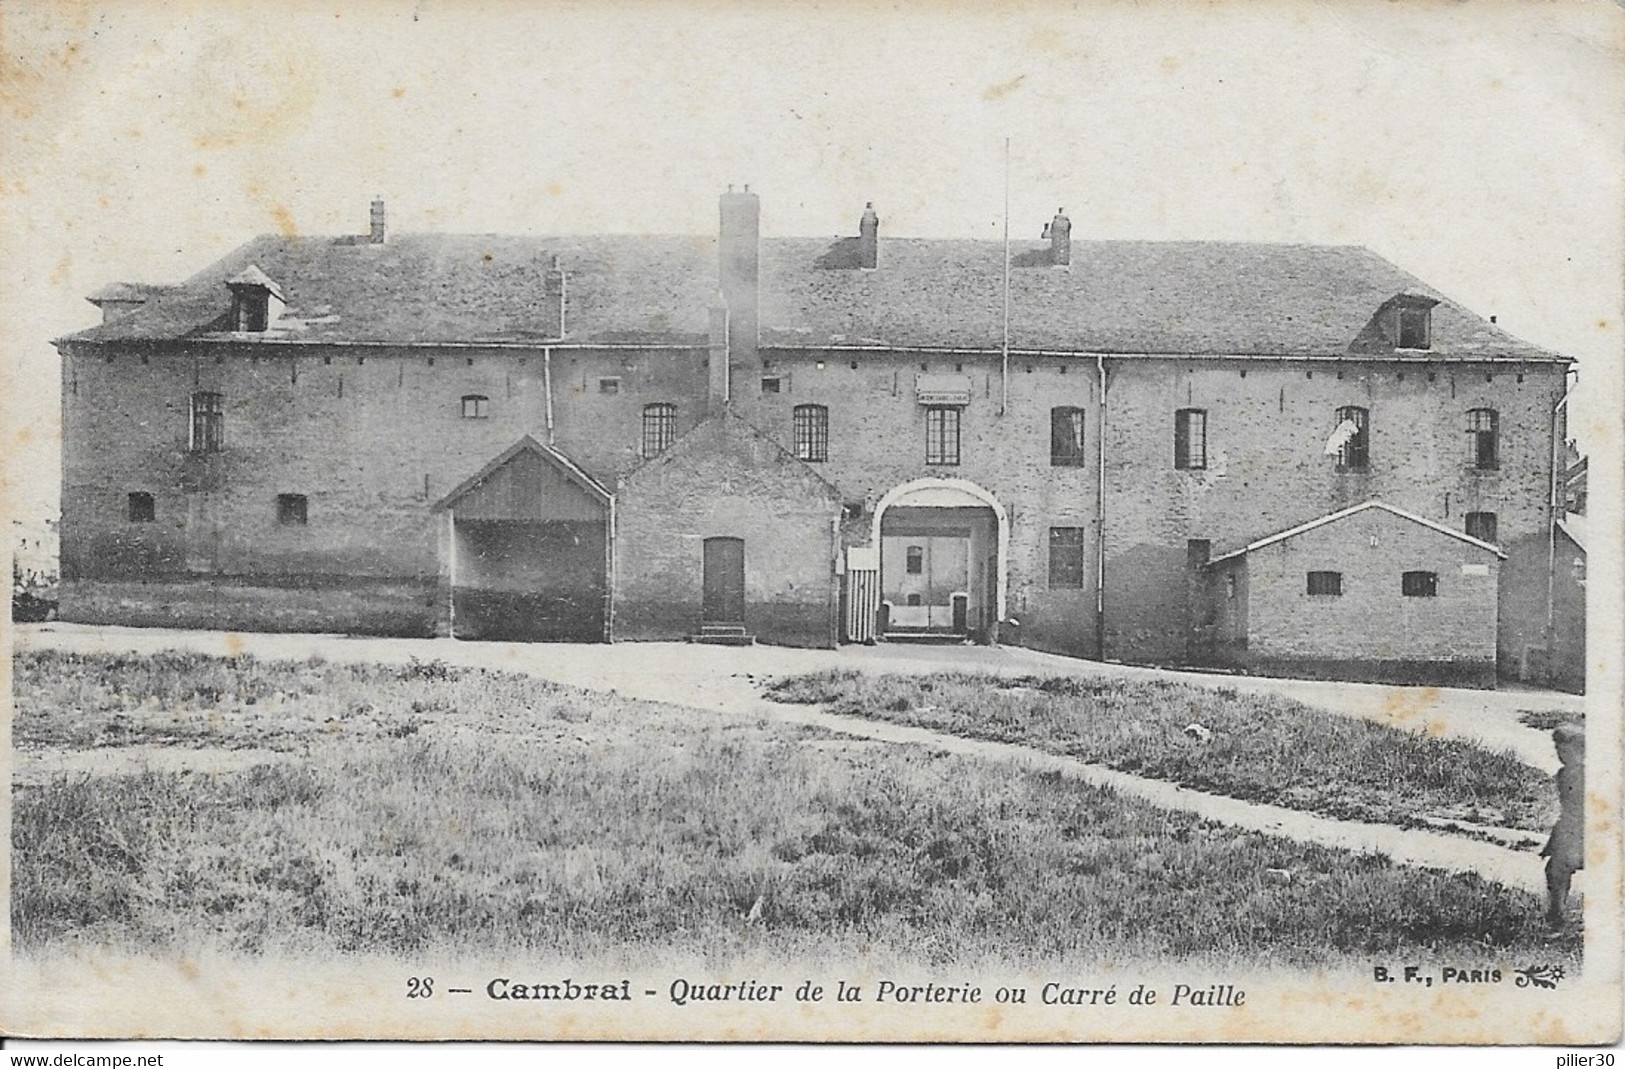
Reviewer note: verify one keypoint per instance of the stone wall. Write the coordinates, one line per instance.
(724, 480)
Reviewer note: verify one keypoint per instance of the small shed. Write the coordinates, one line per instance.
(1370, 592)
(526, 550)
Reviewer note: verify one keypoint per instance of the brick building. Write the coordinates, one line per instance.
(802, 440)
(1367, 592)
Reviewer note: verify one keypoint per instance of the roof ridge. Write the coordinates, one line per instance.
(1344, 513)
(680, 444)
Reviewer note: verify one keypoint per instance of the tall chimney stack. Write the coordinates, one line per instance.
(739, 272)
(717, 362)
(1060, 239)
(553, 297)
(376, 234)
(869, 238)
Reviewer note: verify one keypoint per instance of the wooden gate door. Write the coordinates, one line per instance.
(723, 599)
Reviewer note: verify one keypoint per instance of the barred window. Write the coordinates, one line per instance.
(1190, 438)
(208, 423)
(291, 509)
(476, 406)
(812, 432)
(1067, 566)
(1354, 434)
(141, 507)
(1326, 584)
(1481, 525)
(1066, 437)
(659, 427)
(1483, 439)
(942, 435)
(914, 560)
(1420, 584)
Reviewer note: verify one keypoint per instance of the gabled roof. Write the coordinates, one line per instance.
(567, 467)
(1116, 297)
(253, 276)
(1333, 517)
(729, 420)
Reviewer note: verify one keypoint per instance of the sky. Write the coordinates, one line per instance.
(1478, 146)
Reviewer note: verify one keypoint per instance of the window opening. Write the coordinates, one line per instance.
(812, 432)
(1325, 584)
(208, 422)
(1190, 439)
(291, 509)
(659, 427)
(1352, 439)
(1420, 584)
(1413, 328)
(1481, 525)
(1066, 437)
(942, 435)
(1483, 439)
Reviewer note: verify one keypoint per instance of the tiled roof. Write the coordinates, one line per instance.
(1340, 514)
(1116, 296)
(703, 436)
(127, 291)
(569, 468)
(253, 276)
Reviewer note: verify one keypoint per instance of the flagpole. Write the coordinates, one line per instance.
(1004, 372)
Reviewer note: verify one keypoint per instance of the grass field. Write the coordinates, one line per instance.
(1262, 748)
(430, 809)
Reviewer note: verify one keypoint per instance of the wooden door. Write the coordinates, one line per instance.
(723, 597)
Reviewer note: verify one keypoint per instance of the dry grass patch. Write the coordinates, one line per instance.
(1262, 748)
(522, 815)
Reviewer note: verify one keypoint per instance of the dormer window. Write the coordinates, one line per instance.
(250, 312)
(256, 301)
(1414, 327)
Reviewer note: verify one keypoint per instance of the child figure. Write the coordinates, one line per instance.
(1565, 850)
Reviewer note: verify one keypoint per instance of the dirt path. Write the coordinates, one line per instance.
(1489, 717)
(722, 680)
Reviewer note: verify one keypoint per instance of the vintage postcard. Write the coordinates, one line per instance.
(1034, 522)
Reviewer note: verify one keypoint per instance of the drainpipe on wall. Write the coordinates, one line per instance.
(1551, 523)
(451, 573)
(837, 575)
(609, 572)
(1100, 514)
(547, 388)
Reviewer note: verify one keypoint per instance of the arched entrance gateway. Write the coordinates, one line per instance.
(941, 561)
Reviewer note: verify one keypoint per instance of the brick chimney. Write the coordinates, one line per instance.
(717, 362)
(739, 272)
(1060, 239)
(553, 294)
(869, 238)
(376, 235)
